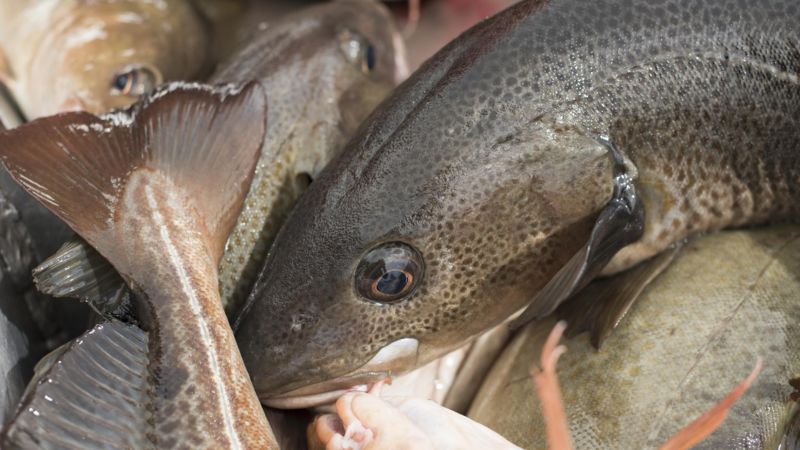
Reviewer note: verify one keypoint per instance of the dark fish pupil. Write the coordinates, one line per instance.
(370, 57)
(392, 283)
(121, 82)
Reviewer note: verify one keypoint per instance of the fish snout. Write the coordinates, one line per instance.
(72, 103)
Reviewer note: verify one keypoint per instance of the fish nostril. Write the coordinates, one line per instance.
(303, 180)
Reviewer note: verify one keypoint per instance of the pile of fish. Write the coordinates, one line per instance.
(278, 215)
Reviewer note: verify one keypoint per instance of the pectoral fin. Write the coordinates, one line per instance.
(91, 393)
(78, 271)
(620, 223)
(600, 307)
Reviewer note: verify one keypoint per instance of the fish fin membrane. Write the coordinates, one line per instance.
(204, 139)
(90, 393)
(600, 307)
(78, 271)
(619, 224)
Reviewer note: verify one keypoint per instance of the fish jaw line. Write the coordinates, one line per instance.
(402, 352)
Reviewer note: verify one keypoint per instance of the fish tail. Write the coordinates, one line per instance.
(204, 140)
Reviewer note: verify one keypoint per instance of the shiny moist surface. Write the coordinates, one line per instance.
(485, 162)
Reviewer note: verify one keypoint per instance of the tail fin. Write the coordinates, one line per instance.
(205, 140)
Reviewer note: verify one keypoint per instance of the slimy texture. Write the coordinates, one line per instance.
(487, 162)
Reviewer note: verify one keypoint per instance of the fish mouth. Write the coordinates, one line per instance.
(392, 359)
(324, 393)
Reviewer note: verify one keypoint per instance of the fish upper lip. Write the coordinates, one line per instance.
(324, 392)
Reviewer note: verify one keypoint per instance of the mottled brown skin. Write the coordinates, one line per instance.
(318, 97)
(485, 161)
(130, 183)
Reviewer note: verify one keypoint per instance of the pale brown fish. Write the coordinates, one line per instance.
(91, 55)
(726, 299)
(156, 190)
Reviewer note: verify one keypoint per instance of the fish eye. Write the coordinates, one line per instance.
(133, 81)
(389, 273)
(358, 50)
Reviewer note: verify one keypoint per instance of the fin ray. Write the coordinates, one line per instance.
(620, 223)
(204, 139)
(70, 405)
(600, 307)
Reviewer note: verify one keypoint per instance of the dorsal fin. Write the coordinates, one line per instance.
(205, 140)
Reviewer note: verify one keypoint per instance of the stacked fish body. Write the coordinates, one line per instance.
(325, 68)
(725, 300)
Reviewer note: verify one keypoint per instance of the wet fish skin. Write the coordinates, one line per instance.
(318, 97)
(486, 162)
(727, 299)
(67, 55)
(138, 206)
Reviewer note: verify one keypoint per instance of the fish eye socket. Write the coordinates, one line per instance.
(358, 50)
(389, 273)
(134, 81)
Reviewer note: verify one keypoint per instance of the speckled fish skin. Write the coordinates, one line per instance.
(65, 54)
(318, 97)
(696, 331)
(485, 161)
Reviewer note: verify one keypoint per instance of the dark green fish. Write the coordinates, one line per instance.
(556, 142)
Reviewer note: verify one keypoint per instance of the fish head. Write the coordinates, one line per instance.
(110, 54)
(440, 219)
(326, 67)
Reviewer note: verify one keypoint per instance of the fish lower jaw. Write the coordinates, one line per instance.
(311, 400)
(324, 393)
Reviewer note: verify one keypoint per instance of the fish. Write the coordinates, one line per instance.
(156, 189)
(97, 55)
(325, 68)
(728, 298)
(22, 338)
(552, 144)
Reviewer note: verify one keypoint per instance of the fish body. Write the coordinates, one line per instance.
(129, 183)
(22, 342)
(97, 55)
(325, 68)
(518, 161)
(727, 299)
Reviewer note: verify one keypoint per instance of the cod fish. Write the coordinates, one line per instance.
(156, 190)
(63, 55)
(325, 68)
(556, 142)
(726, 299)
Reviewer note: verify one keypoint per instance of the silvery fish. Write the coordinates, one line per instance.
(156, 189)
(324, 68)
(556, 142)
(63, 55)
(20, 336)
(725, 300)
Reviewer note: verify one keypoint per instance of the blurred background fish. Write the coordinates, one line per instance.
(726, 299)
(97, 55)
